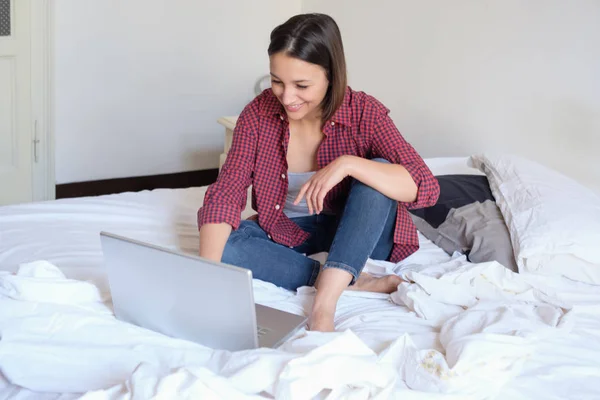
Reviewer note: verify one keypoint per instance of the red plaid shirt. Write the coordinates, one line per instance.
(257, 157)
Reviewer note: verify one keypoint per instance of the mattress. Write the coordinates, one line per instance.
(60, 340)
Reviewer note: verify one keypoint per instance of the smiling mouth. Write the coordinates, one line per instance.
(294, 107)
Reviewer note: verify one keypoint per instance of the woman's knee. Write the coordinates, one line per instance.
(247, 229)
(369, 194)
(367, 190)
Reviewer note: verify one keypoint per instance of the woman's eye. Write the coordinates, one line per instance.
(275, 82)
(301, 87)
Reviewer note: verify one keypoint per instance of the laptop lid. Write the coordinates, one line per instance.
(180, 295)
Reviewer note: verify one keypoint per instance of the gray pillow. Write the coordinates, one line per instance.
(476, 229)
(455, 191)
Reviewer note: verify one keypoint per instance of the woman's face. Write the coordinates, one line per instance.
(300, 86)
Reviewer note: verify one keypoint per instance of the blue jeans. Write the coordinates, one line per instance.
(365, 229)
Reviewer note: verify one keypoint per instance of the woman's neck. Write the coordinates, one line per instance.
(310, 121)
(305, 124)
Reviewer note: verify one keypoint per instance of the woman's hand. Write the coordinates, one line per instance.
(317, 187)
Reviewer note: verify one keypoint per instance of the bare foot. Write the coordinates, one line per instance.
(369, 283)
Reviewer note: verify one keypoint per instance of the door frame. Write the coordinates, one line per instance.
(42, 107)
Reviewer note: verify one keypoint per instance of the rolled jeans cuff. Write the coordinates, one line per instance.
(315, 273)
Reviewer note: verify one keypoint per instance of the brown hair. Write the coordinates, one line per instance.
(315, 38)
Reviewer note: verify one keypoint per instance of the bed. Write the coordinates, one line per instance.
(455, 330)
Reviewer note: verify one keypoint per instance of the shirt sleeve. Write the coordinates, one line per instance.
(388, 143)
(225, 199)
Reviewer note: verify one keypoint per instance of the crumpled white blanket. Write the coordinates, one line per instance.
(490, 319)
(58, 335)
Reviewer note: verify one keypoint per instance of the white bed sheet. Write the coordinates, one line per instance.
(34, 351)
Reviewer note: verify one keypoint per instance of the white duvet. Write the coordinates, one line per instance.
(59, 336)
(453, 330)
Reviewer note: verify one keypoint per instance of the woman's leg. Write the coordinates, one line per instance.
(250, 247)
(366, 229)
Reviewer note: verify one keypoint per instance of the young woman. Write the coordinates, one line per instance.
(329, 172)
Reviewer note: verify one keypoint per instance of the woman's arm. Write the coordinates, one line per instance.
(213, 238)
(392, 180)
(226, 198)
(406, 178)
(411, 171)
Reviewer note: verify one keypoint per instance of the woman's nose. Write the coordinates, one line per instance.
(288, 96)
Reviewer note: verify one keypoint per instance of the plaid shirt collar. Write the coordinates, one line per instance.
(343, 115)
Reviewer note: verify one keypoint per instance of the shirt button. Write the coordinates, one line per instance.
(281, 116)
(282, 176)
(269, 236)
(332, 123)
(277, 207)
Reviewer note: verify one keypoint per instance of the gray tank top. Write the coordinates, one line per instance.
(295, 182)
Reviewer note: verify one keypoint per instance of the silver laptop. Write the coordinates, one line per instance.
(189, 297)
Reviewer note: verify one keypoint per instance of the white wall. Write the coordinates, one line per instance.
(466, 76)
(139, 84)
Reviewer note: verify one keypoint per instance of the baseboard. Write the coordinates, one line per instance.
(136, 184)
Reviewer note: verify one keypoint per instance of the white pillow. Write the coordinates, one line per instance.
(450, 166)
(554, 222)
